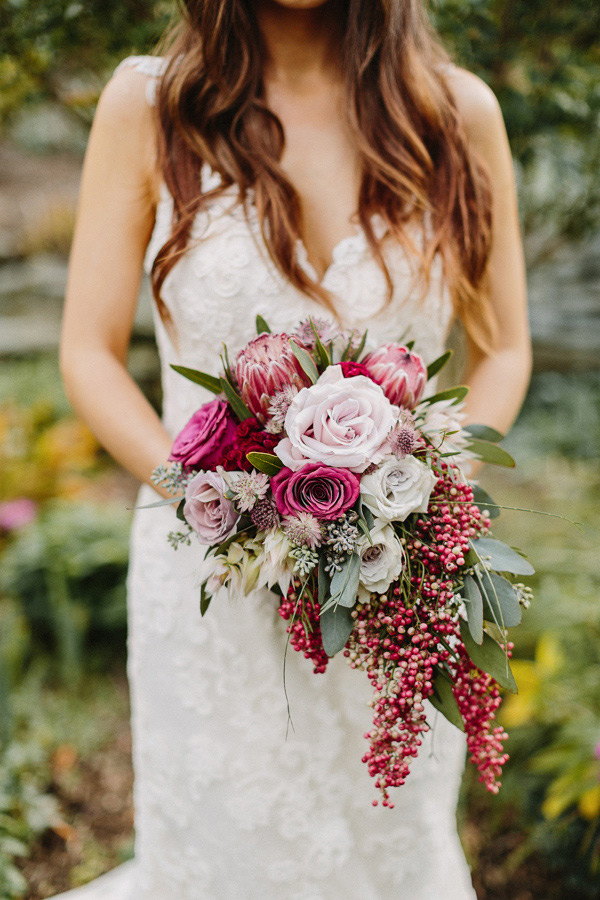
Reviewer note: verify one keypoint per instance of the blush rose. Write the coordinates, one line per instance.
(206, 509)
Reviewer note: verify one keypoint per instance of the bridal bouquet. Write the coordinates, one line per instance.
(336, 479)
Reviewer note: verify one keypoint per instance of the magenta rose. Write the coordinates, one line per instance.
(206, 436)
(265, 367)
(206, 509)
(401, 373)
(321, 490)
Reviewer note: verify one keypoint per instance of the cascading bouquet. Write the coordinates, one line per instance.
(331, 477)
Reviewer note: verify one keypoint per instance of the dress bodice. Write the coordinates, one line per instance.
(226, 278)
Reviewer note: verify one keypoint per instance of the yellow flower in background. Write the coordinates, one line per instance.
(589, 803)
(530, 676)
(69, 444)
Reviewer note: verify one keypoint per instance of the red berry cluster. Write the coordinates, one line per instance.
(304, 629)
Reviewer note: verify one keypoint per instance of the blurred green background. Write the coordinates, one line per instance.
(65, 776)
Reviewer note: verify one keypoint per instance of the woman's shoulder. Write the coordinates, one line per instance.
(142, 71)
(475, 100)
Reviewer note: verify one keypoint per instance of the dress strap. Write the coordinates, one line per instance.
(153, 66)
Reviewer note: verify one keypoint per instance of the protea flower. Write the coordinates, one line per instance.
(265, 367)
(401, 373)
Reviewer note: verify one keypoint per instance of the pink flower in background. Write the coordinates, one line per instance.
(401, 373)
(265, 367)
(597, 750)
(204, 439)
(212, 516)
(321, 490)
(15, 514)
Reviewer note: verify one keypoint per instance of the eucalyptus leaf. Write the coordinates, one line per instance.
(336, 627)
(489, 657)
(485, 432)
(323, 580)
(500, 557)
(344, 583)
(265, 462)
(158, 503)
(445, 702)
(501, 604)
(235, 401)
(474, 606)
(261, 326)
(305, 360)
(456, 394)
(491, 453)
(438, 364)
(484, 502)
(206, 381)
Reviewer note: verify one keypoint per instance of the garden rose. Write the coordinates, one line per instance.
(380, 562)
(397, 488)
(206, 436)
(401, 373)
(339, 422)
(321, 490)
(212, 516)
(264, 368)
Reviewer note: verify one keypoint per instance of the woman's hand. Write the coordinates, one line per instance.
(497, 380)
(115, 217)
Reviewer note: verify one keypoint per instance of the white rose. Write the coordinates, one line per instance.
(398, 488)
(381, 562)
(340, 422)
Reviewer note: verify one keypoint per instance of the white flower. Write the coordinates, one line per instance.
(397, 488)
(276, 566)
(340, 422)
(443, 427)
(237, 569)
(381, 562)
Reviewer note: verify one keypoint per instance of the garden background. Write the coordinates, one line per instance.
(65, 779)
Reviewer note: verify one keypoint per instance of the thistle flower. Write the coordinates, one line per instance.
(303, 530)
(264, 514)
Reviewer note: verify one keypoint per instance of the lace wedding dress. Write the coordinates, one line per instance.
(227, 808)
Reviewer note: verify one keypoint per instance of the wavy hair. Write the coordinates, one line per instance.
(413, 151)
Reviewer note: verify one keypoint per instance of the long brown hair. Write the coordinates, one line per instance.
(412, 145)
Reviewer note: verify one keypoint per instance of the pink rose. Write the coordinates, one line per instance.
(339, 422)
(401, 373)
(321, 490)
(263, 368)
(212, 516)
(206, 436)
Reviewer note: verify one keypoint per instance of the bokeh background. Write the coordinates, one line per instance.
(65, 776)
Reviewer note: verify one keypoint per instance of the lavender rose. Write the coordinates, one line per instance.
(206, 508)
(339, 422)
(205, 437)
(321, 490)
(401, 373)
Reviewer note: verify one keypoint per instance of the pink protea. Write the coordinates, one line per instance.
(265, 367)
(401, 373)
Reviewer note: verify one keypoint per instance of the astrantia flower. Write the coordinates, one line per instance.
(265, 514)
(278, 408)
(303, 529)
(265, 367)
(247, 488)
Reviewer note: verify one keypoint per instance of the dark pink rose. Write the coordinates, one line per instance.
(206, 436)
(265, 367)
(321, 490)
(401, 373)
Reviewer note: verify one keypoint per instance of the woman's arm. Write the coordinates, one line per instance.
(498, 380)
(115, 217)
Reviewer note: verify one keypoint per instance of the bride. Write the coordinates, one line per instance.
(288, 158)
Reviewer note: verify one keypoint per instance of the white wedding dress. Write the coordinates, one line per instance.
(227, 808)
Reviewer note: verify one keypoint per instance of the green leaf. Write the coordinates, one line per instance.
(484, 432)
(474, 605)
(235, 401)
(409, 346)
(500, 557)
(322, 351)
(438, 364)
(356, 355)
(336, 627)
(456, 394)
(444, 700)
(180, 514)
(484, 502)
(305, 360)
(491, 453)
(206, 381)
(344, 583)
(323, 580)
(261, 326)
(204, 599)
(501, 604)
(158, 503)
(489, 657)
(265, 462)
